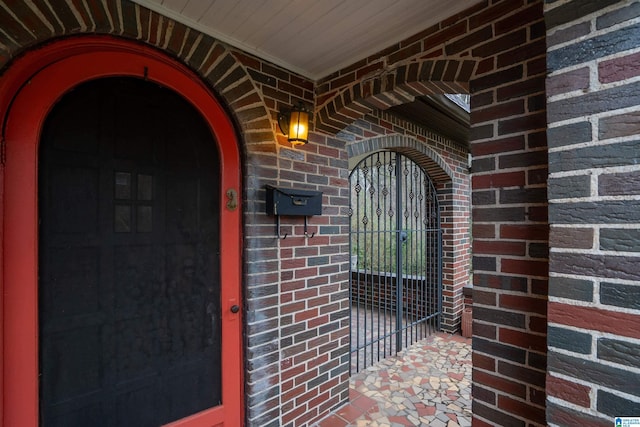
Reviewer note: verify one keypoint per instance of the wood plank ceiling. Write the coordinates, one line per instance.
(311, 37)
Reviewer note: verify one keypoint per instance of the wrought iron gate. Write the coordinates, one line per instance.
(396, 257)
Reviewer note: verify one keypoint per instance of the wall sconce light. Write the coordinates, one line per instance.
(295, 124)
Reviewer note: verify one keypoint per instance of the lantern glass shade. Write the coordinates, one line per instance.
(295, 124)
(298, 127)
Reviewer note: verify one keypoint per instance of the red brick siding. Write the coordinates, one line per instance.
(504, 124)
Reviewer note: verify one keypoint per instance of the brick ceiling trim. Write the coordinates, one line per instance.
(394, 87)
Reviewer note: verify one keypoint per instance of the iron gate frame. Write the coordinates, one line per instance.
(411, 331)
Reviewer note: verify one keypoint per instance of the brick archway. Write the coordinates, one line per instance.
(381, 90)
(510, 162)
(439, 171)
(450, 186)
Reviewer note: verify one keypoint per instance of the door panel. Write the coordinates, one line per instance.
(130, 320)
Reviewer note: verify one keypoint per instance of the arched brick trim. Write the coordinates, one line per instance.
(51, 72)
(30, 25)
(393, 87)
(439, 171)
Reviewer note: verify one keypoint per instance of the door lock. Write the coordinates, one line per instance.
(232, 199)
(235, 308)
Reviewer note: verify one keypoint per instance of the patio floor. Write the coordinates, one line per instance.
(429, 383)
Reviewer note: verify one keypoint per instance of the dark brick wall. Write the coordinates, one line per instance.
(509, 219)
(593, 101)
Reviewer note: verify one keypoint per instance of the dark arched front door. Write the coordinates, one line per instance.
(129, 281)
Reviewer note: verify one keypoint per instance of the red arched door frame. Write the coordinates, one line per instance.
(28, 90)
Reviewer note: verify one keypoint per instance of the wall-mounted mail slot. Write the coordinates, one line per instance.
(289, 201)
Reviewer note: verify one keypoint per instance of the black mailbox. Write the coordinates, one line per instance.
(289, 201)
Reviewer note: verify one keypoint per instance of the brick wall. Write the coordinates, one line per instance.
(509, 224)
(497, 52)
(296, 289)
(593, 103)
(296, 335)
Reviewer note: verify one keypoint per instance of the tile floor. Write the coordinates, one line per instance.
(428, 384)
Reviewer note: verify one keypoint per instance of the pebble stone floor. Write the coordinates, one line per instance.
(428, 384)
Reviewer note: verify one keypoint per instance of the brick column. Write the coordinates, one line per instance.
(594, 187)
(510, 230)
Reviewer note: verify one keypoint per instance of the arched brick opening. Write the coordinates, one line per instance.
(339, 108)
(425, 156)
(401, 84)
(505, 42)
(508, 143)
(453, 197)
